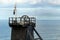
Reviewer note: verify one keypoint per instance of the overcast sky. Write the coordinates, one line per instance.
(42, 9)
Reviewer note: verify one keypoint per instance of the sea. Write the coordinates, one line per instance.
(47, 29)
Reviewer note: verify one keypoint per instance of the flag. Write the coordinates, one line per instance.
(14, 10)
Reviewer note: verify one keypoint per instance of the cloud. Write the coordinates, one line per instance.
(55, 2)
(20, 1)
(40, 13)
(5, 1)
(34, 1)
(12, 1)
(31, 3)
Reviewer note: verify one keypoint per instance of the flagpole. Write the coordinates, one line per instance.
(14, 12)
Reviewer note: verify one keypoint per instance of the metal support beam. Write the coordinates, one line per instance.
(37, 34)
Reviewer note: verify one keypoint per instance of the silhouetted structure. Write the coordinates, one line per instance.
(23, 28)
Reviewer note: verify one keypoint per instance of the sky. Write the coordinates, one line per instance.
(41, 9)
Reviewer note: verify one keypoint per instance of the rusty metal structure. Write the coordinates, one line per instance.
(23, 28)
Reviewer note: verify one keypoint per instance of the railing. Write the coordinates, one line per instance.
(15, 20)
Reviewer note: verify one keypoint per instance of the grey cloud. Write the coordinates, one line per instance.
(43, 3)
(41, 12)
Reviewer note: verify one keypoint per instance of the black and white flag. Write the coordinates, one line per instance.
(14, 11)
